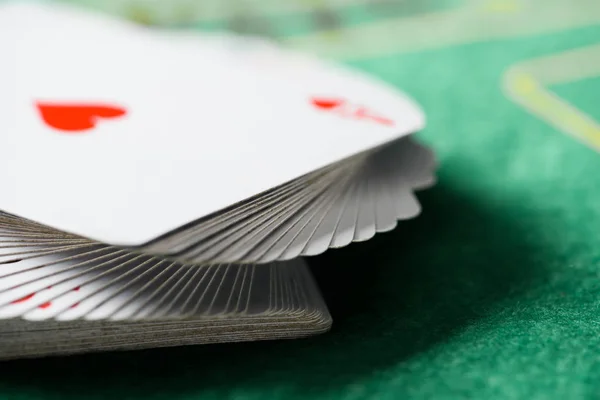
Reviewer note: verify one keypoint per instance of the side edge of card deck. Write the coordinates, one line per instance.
(63, 299)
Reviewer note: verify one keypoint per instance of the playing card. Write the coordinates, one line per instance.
(159, 187)
(65, 296)
(347, 202)
(138, 132)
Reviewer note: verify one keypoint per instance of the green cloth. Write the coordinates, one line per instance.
(492, 293)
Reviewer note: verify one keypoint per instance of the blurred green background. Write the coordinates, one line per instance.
(494, 292)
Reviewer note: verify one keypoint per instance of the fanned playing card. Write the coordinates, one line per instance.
(60, 294)
(159, 188)
(330, 208)
(145, 131)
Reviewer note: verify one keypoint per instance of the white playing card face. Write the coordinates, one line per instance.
(332, 89)
(122, 134)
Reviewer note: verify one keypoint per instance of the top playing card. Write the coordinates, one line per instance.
(119, 133)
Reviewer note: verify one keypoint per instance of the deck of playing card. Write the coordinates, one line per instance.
(160, 187)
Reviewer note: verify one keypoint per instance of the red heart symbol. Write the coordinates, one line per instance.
(77, 117)
(327, 104)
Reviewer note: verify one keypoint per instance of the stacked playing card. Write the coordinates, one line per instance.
(161, 188)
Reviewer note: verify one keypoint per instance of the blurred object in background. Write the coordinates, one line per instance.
(356, 29)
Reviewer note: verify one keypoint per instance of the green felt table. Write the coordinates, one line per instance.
(494, 291)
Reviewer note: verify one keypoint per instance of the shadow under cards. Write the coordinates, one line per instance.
(391, 298)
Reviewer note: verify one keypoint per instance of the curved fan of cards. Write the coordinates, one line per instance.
(201, 148)
(346, 202)
(60, 293)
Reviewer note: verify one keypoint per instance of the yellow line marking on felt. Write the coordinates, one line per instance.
(567, 66)
(502, 6)
(522, 85)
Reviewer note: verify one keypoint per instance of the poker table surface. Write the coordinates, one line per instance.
(493, 292)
